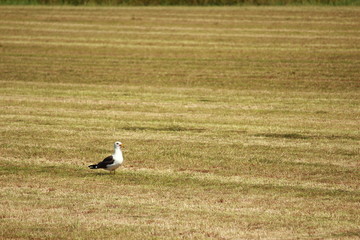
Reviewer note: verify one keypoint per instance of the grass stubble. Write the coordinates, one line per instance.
(239, 123)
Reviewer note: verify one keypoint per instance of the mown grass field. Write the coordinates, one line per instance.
(239, 123)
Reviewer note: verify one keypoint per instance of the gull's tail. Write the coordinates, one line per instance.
(94, 166)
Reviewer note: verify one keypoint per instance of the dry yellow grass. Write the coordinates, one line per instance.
(239, 123)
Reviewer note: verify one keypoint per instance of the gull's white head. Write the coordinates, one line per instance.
(118, 145)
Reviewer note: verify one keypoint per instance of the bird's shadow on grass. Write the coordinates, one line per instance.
(100, 174)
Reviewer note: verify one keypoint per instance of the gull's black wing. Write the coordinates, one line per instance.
(108, 160)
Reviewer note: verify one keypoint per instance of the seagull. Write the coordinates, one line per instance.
(112, 162)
